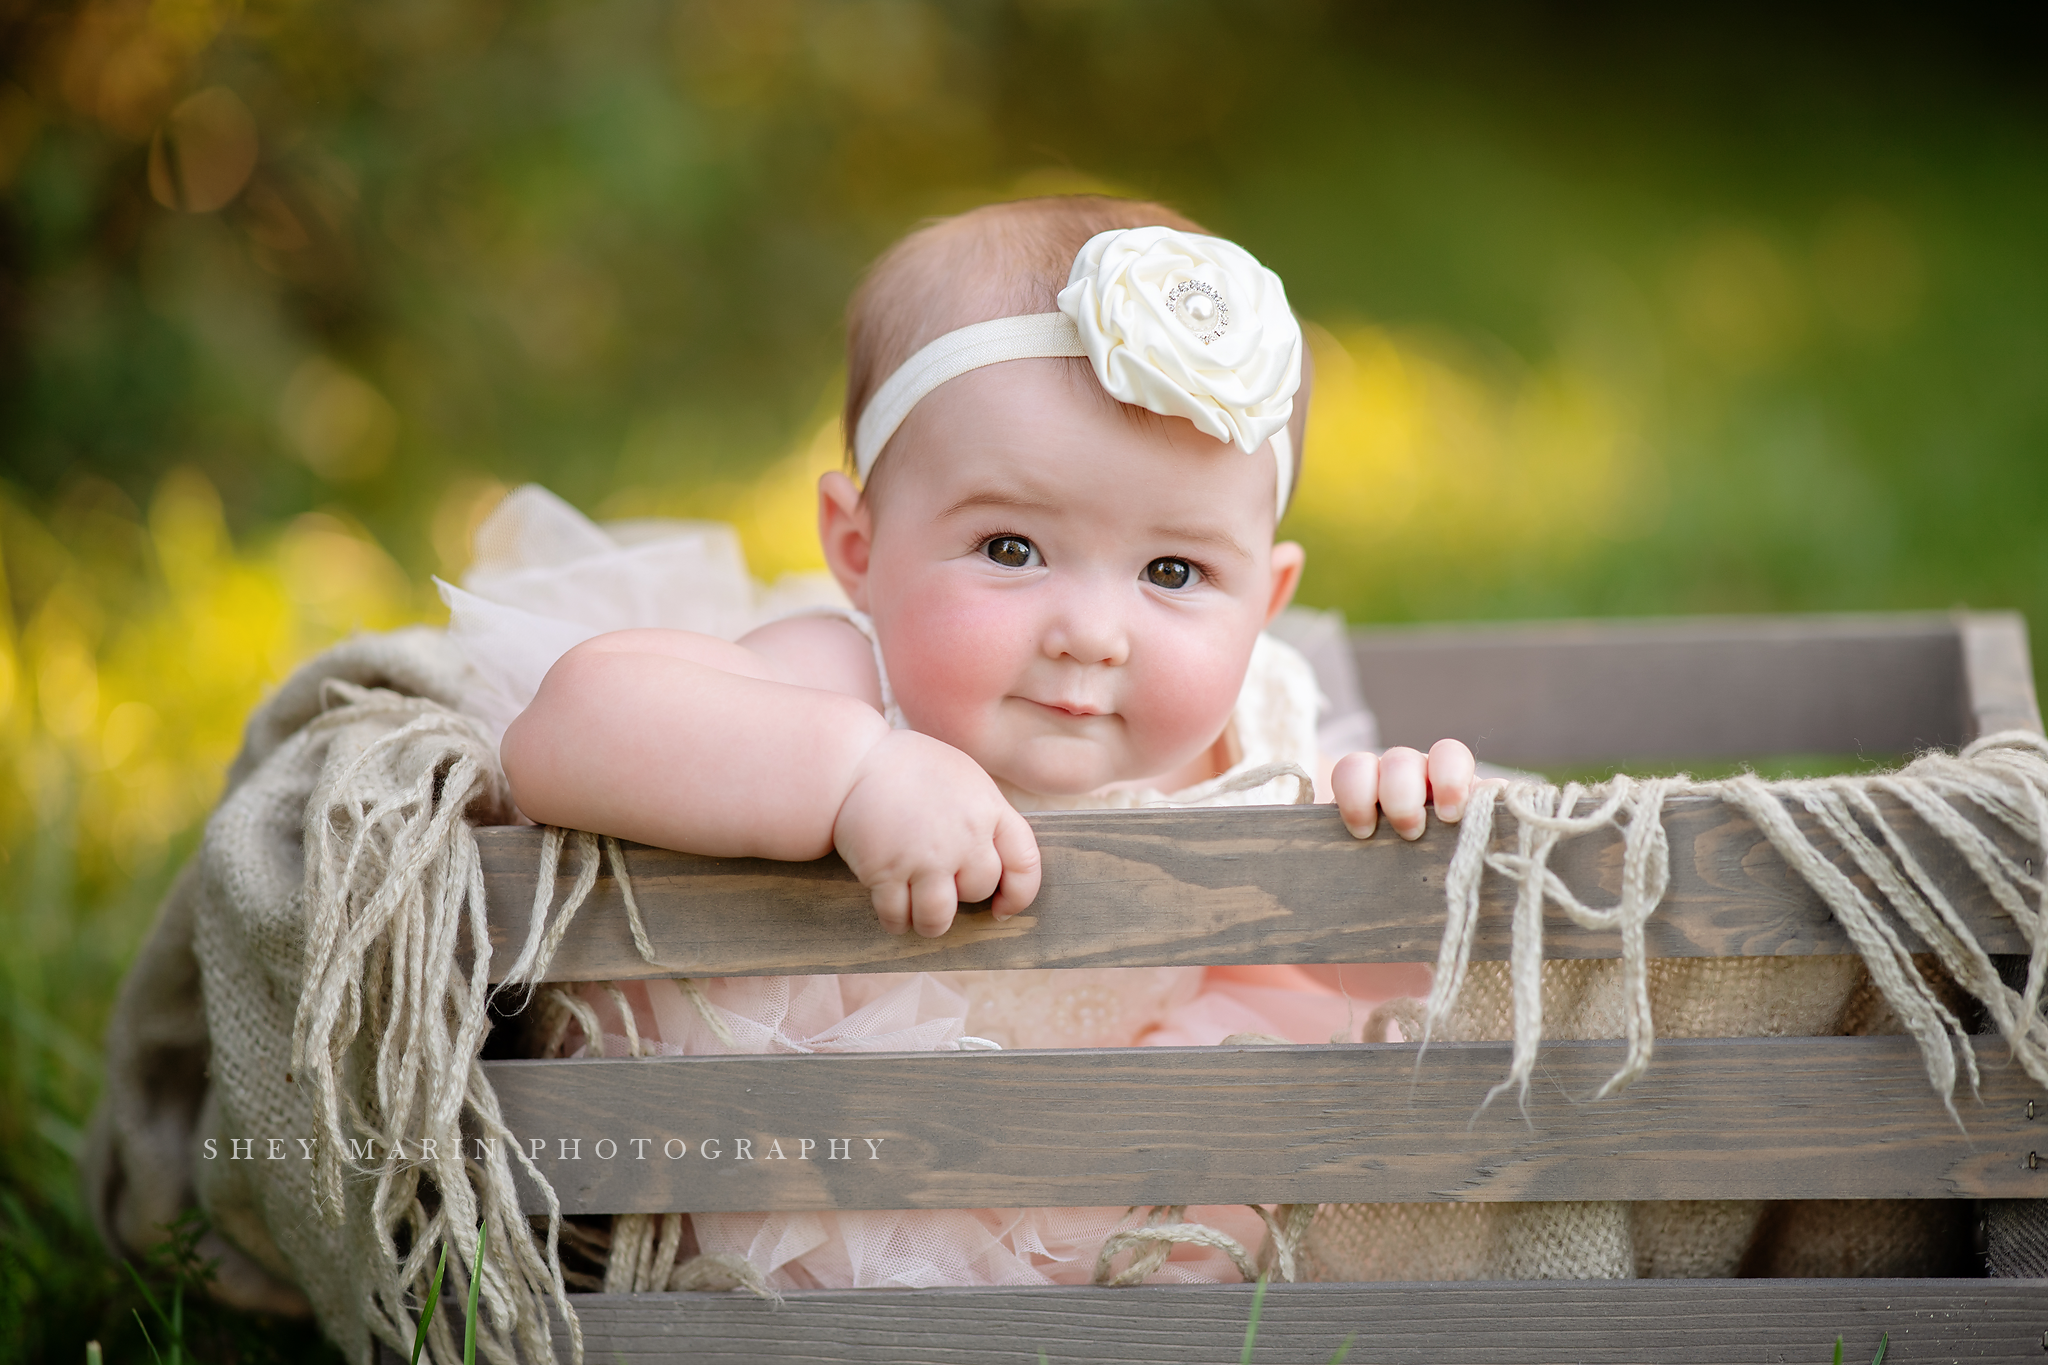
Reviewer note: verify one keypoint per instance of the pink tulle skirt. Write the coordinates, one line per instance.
(945, 1011)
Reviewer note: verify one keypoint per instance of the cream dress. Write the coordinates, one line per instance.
(546, 578)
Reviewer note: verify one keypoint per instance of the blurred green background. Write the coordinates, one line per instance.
(1616, 310)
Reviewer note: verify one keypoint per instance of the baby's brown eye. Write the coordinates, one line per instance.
(1169, 573)
(1012, 552)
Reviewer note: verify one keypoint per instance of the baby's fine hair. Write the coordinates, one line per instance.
(997, 261)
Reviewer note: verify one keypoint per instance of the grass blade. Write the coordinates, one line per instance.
(147, 1297)
(92, 1353)
(1343, 1349)
(1251, 1329)
(1883, 1342)
(419, 1338)
(476, 1275)
(1838, 1349)
(146, 1339)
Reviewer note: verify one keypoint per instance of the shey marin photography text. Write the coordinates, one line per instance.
(753, 1148)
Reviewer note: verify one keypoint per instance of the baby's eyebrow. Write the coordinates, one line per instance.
(1000, 498)
(1201, 535)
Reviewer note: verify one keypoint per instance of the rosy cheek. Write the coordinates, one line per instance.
(953, 655)
(1184, 694)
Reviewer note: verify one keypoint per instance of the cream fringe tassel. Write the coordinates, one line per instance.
(393, 880)
(2003, 777)
(393, 886)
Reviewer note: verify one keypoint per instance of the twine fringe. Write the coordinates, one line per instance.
(642, 1260)
(388, 1032)
(2003, 777)
(1164, 1228)
(1283, 1254)
(1252, 778)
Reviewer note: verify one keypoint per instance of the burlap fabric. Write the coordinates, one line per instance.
(1690, 998)
(334, 876)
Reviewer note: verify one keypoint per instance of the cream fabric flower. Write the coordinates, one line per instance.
(1187, 326)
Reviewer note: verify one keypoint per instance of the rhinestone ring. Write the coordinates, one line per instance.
(1200, 308)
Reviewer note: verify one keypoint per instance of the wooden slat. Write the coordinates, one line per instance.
(1575, 692)
(1998, 674)
(1675, 1322)
(1145, 888)
(1780, 1118)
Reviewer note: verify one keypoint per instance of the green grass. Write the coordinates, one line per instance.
(160, 1311)
(419, 1337)
(476, 1275)
(174, 1275)
(1772, 767)
(70, 931)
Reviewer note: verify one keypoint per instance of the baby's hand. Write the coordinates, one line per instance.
(1402, 782)
(925, 829)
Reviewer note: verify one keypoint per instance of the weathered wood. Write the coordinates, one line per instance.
(1998, 674)
(1779, 1118)
(1576, 692)
(1675, 1322)
(1139, 888)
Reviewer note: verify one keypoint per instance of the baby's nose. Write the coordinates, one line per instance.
(1087, 630)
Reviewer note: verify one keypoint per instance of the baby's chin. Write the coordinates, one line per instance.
(1061, 767)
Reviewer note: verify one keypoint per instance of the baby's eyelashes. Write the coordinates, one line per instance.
(1012, 552)
(1172, 573)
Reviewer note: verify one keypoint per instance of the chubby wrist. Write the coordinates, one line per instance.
(885, 747)
(902, 767)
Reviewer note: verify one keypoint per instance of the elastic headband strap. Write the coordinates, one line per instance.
(1030, 337)
(1033, 336)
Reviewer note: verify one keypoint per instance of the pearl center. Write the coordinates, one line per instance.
(1197, 311)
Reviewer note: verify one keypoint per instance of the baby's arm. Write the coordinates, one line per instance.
(1401, 782)
(769, 748)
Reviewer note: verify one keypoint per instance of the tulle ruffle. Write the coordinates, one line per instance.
(936, 1011)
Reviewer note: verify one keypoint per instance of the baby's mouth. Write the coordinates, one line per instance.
(1070, 710)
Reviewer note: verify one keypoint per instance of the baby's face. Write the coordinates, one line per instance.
(1069, 596)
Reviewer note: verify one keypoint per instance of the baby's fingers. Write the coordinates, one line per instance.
(1017, 846)
(933, 899)
(978, 880)
(892, 905)
(1404, 790)
(1355, 781)
(1451, 770)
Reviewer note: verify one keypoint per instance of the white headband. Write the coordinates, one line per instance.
(1173, 322)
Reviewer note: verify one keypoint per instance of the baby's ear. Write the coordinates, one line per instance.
(1288, 557)
(846, 530)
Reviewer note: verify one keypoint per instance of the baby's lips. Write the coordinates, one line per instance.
(1075, 709)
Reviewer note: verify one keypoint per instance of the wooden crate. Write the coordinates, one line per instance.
(1820, 1118)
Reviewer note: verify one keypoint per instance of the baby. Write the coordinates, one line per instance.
(1077, 421)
